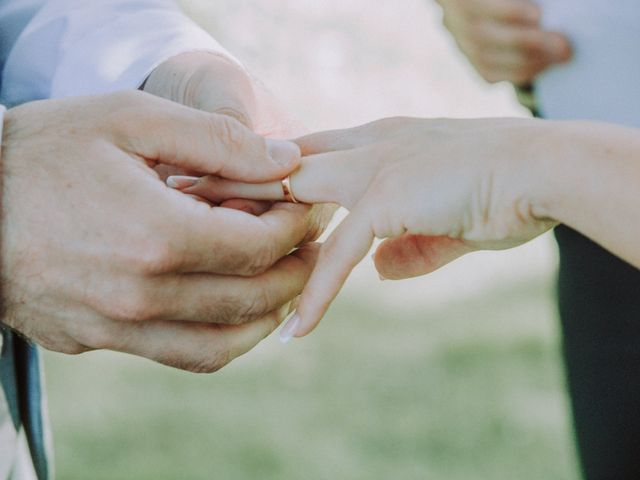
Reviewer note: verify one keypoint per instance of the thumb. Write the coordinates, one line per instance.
(172, 134)
(414, 255)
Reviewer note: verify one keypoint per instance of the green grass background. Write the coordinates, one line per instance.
(471, 389)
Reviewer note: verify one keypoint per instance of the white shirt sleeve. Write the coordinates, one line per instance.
(82, 47)
(14, 16)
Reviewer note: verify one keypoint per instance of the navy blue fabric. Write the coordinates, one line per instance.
(20, 377)
(30, 400)
(8, 377)
(599, 300)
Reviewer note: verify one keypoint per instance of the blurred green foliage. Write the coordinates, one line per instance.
(473, 389)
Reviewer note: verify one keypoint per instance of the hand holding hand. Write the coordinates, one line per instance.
(98, 253)
(503, 39)
(215, 84)
(436, 189)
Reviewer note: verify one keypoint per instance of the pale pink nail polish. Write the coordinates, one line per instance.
(181, 181)
(289, 329)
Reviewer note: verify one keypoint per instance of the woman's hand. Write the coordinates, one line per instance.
(435, 189)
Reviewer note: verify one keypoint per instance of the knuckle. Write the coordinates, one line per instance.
(491, 75)
(210, 363)
(319, 218)
(259, 303)
(66, 344)
(261, 260)
(124, 106)
(391, 124)
(226, 312)
(154, 258)
(137, 304)
(227, 131)
(95, 336)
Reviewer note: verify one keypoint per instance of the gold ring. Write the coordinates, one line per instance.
(286, 190)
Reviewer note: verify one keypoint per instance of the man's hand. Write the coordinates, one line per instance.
(216, 84)
(503, 39)
(98, 253)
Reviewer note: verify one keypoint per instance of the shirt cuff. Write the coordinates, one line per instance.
(98, 47)
(125, 61)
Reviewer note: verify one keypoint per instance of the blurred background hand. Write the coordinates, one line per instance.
(504, 39)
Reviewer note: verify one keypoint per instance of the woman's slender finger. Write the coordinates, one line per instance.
(218, 189)
(332, 177)
(342, 251)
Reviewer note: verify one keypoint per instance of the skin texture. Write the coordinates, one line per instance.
(98, 253)
(215, 84)
(437, 189)
(504, 39)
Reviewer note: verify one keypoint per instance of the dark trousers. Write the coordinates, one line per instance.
(599, 301)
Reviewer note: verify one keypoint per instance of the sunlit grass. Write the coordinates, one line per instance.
(469, 390)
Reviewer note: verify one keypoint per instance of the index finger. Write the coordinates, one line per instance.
(162, 131)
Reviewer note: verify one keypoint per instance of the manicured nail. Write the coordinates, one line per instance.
(181, 181)
(289, 329)
(382, 279)
(293, 306)
(283, 152)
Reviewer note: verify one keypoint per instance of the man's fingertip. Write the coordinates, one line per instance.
(284, 152)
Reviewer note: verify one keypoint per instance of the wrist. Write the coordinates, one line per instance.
(551, 163)
(577, 166)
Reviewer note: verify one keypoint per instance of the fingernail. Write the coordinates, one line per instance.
(289, 329)
(382, 279)
(283, 152)
(293, 305)
(181, 181)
